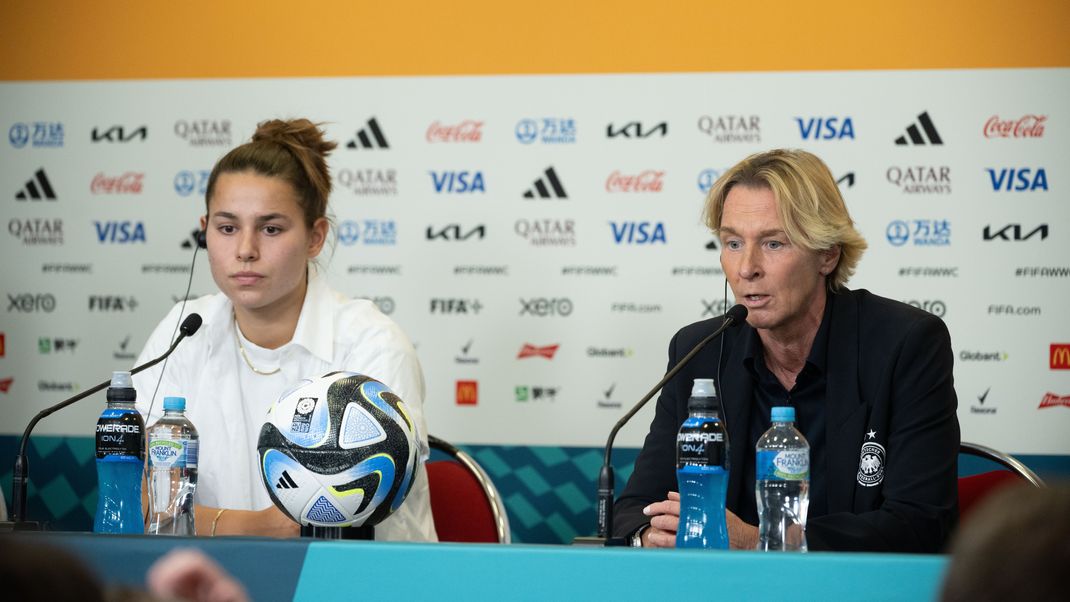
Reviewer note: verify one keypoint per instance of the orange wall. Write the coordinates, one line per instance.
(112, 39)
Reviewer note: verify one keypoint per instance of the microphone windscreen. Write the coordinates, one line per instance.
(193, 322)
(738, 313)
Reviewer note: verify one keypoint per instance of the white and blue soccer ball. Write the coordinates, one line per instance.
(338, 451)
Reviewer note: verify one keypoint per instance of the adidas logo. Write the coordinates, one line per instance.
(369, 137)
(37, 188)
(541, 191)
(847, 181)
(915, 136)
(286, 482)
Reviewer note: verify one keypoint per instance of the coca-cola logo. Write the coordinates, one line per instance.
(466, 131)
(1028, 126)
(648, 180)
(127, 183)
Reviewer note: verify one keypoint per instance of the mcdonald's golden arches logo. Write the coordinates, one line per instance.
(1060, 356)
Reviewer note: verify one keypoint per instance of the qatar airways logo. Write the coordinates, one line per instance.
(1027, 126)
(469, 130)
(127, 183)
(648, 180)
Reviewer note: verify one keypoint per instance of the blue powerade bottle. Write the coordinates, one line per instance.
(120, 460)
(702, 471)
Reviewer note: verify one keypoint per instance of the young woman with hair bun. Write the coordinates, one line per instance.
(275, 321)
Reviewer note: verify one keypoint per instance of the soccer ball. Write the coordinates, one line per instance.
(339, 451)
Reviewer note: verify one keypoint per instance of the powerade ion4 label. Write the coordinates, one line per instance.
(119, 435)
(786, 465)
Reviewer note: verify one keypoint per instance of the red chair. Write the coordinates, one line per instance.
(465, 505)
(973, 489)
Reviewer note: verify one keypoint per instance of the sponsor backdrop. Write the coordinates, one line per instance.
(540, 240)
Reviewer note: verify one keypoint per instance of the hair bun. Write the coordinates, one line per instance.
(296, 134)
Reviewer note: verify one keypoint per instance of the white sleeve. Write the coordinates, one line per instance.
(391, 359)
(145, 382)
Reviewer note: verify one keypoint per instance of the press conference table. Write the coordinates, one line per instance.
(352, 570)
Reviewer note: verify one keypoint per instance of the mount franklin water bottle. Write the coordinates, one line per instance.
(702, 471)
(120, 460)
(173, 447)
(782, 484)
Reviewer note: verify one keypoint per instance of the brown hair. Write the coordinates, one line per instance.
(808, 201)
(294, 150)
(1013, 547)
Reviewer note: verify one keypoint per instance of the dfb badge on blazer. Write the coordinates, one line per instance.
(871, 462)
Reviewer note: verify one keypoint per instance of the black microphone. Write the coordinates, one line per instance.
(22, 470)
(736, 315)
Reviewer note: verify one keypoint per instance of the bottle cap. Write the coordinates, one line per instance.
(703, 387)
(176, 404)
(783, 414)
(121, 380)
(122, 388)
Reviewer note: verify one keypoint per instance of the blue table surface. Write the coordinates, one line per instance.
(303, 569)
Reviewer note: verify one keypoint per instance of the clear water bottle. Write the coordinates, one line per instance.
(173, 447)
(702, 471)
(120, 460)
(782, 484)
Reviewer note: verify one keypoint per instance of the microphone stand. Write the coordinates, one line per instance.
(604, 508)
(21, 475)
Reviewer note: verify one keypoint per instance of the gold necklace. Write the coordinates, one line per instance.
(241, 348)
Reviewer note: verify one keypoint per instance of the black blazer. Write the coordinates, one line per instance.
(892, 434)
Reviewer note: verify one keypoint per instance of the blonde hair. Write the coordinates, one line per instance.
(808, 202)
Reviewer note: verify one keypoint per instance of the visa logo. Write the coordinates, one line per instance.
(825, 128)
(120, 232)
(1017, 179)
(638, 233)
(458, 181)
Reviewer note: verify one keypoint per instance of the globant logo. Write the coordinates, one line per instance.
(204, 132)
(189, 182)
(825, 128)
(731, 128)
(370, 232)
(547, 232)
(547, 130)
(921, 179)
(37, 231)
(369, 182)
(1012, 179)
(648, 180)
(919, 232)
(127, 183)
(1027, 126)
(610, 353)
(707, 178)
(465, 131)
(638, 233)
(37, 134)
(983, 356)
